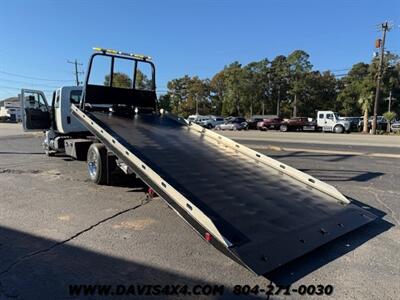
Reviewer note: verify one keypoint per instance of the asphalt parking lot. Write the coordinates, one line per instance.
(57, 228)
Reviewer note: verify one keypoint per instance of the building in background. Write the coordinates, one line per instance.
(10, 110)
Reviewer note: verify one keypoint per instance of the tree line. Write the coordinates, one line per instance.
(286, 86)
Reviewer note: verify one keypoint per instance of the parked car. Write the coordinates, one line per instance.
(212, 121)
(254, 119)
(298, 124)
(381, 123)
(235, 123)
(202, 120)
(197, 118)
(354, 122)
(395, 126)
(272, 123)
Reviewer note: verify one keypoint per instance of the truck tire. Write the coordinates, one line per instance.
(49, 152)
(283, 128)
(338, 129)
(97, 163)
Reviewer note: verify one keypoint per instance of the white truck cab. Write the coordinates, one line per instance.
(56, 119)
(329, 121)
(63, 98)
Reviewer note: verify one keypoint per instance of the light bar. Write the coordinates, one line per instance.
(110, 51)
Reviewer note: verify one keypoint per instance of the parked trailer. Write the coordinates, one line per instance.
(256, 210)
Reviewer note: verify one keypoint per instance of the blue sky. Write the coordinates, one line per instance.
(184, 36)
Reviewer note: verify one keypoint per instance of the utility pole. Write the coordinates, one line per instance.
(75, 62)
(197, 105)
(384, 27)
(295, 106)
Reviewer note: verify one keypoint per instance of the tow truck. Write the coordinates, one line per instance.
(329, 121)
(263, 215)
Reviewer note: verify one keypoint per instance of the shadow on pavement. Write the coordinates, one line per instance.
(40, 270)
(295, 270)
(342, 175)
(316, 156)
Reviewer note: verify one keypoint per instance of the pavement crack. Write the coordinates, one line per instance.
(48, 249)
(392, 213)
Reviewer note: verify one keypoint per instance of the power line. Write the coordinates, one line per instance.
(34, 78)
(339, 75)
(339, 70)
(28, 83)
(16, 88)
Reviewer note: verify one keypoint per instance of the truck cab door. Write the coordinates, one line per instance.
(35, 110)
(329, 122)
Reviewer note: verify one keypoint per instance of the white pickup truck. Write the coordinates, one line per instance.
(329, 121)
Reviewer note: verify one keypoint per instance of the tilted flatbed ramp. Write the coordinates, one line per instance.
(258, 211)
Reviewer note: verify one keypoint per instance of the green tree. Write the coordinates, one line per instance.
(218, 91)
(365, 101)
(234, 80)
(189, 95)
(199, 94)
(287, 86)
(319, 93)
(142, 82)
(299, 66)
(257, 86)
(389, 116)
(164, 102)
(120, 80)
(178, 90)
(279, 78)
(353, 89)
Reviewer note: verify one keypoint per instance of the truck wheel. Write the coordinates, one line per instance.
(97, 163)
(49, 152)
(338, 129)
(283, 128)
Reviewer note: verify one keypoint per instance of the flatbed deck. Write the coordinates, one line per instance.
(265, 217)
